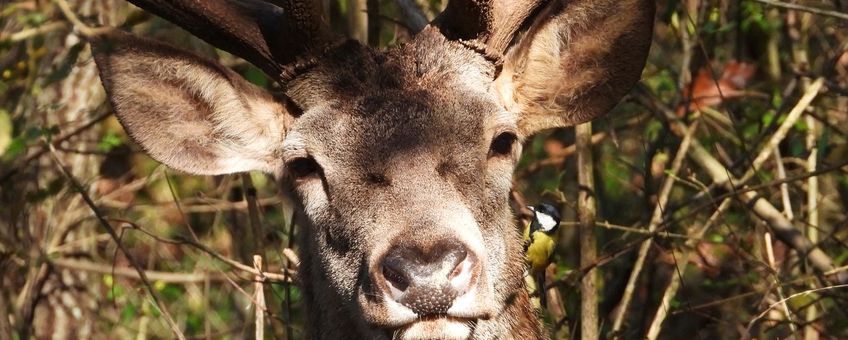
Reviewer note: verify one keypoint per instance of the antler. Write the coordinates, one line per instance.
(493, 22)
(264, 34)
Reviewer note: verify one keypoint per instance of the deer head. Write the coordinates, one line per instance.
(400, 161)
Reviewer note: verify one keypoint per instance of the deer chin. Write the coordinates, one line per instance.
(457, 323)
(437, 328)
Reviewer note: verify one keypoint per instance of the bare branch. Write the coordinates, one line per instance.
(778, 303)
(586, 211)
(814, 10)
(259, 295)
(129, 273)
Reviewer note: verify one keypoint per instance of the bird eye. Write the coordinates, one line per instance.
(502, 144)
(303, 167)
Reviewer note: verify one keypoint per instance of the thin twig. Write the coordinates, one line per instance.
(180, 208)
(79, 26)
(784, 187)
(778, 287)
(559, 157)
(757, 291)
(814, 10)
(292, 261)
(129, 273)
(31, 32)
(778, 303)
(193, 208)
(289, 277)
(292, 257)
(626, 229)
(259, 293)
(5, 326)
(256, 230)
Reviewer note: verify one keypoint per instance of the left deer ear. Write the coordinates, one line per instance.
(188, 112)
(575, 62)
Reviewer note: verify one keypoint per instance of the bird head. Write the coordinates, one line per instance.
(546, 218)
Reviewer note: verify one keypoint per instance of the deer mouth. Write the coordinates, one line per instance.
(437, 327)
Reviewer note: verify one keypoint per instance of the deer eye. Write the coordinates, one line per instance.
(303, 167)
(502, 145)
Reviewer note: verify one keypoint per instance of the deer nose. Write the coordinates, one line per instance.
(428, 280)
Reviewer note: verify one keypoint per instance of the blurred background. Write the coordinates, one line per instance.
(720, 184)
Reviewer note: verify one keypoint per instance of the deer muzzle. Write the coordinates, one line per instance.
(428, 281)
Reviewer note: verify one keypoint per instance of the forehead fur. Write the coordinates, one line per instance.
(429, 93)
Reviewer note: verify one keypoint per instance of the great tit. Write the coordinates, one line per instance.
(539, 244)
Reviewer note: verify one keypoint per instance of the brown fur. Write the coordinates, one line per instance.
(402, 140)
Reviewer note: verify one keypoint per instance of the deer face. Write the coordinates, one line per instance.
(405, 185)
(401, 160)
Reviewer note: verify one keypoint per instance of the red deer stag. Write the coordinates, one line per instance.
(400, 161)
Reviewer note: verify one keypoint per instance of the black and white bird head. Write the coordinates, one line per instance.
(546, 218)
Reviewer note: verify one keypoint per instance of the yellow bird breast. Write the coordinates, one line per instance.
(539, 252)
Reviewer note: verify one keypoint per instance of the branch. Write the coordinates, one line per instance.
(31, 32)
(129, 273)
(586, 211)
(806, 292)
(259, 295)
(814, 10)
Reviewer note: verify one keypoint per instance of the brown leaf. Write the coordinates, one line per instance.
(709, 92)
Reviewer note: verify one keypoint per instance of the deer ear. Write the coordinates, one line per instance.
(575, 62)
(188, 112)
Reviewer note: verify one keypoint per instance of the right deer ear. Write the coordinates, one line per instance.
(188, 112)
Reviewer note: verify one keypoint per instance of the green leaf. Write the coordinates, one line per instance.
(717, 238)
(33, 18)
(16, 147)
(129, 313)
(109, 141)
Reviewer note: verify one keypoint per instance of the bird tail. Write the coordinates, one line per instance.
(540, 288)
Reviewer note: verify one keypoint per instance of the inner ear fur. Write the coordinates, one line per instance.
(189, 112)
(575, 62)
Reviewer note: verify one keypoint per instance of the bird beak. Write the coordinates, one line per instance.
(531, 208)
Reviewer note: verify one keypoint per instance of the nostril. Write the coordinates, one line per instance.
(455, 260)
(461, 276)
(393, 274)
